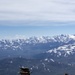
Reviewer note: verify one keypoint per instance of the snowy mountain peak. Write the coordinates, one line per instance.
(43, 39)
(72, 36)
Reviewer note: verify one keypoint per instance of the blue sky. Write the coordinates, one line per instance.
(25, 18)
(28, 31)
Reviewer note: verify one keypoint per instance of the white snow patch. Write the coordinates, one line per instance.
(46, 59)
(72, 37)
(43, 64)
(52, 60)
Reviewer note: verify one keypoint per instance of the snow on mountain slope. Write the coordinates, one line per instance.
(45, 39)
(60, 45)
(42, 39)
(20, 43)
(64, 50)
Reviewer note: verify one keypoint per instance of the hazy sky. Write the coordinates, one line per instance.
(36, 17)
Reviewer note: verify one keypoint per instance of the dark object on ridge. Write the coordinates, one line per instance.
(66, 73)
(24, 71)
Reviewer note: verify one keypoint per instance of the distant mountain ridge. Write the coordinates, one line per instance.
(42, 39)
(28, 47)
(63, 50)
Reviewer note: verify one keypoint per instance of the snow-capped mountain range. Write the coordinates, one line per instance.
(57, 54)
(42, 39)
(60, 45)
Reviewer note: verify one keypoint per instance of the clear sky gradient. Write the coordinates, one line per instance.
(25, 18)
(28, 31)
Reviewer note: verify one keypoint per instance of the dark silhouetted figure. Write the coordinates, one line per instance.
(24, 71)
